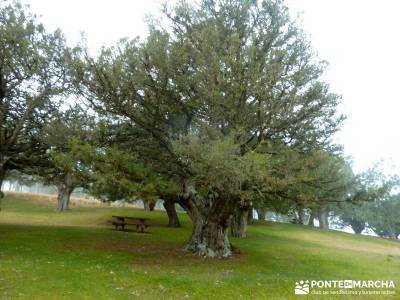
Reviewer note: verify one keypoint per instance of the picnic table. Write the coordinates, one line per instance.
(123, 221)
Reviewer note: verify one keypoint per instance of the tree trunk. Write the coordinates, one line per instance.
(146, 205)
(173, 220)
(250, 217)
(311, 218)
(239, 222)
(323, 217)
(357, 226)
(2, 176)
(261, 213)
(210, 238)
(392, 233)
(18, 187)
(210, 221)
(152, 205)
(302, 216)
(64, 196)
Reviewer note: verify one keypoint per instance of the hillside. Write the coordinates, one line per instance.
(76, 255)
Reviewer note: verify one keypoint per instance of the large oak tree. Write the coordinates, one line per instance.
(219, 75)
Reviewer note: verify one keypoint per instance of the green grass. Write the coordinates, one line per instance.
(76, 255)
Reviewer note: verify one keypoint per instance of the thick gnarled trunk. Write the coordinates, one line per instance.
(210, 239)
(173, 220)
(210, 222)
(63, 197)
(239, 222)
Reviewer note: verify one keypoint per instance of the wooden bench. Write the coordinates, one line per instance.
(123, 221)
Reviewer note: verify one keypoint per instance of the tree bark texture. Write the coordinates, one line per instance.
(64, 196)
(210, 221)
(65, 189)
(173, 220)
(239, 222)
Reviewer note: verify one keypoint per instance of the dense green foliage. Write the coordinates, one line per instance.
(371, 203)
(32, 73)
(114, 174)
(60, 167)
(214, 74)
(384, 216)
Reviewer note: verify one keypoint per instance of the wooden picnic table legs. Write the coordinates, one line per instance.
(140, 227)
(118, 224)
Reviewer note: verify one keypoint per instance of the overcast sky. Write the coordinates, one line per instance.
(359, 39)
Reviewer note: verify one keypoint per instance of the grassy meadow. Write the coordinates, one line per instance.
(77, 255)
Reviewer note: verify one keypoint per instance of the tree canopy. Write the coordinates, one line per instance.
(218, 70)
(32, 73)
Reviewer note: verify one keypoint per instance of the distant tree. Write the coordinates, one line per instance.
(383, 216)
(302, 183)
(332, 180)
(61, 167)
(32, 72)
(368, 187)
(21, 178)
(353, 215)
